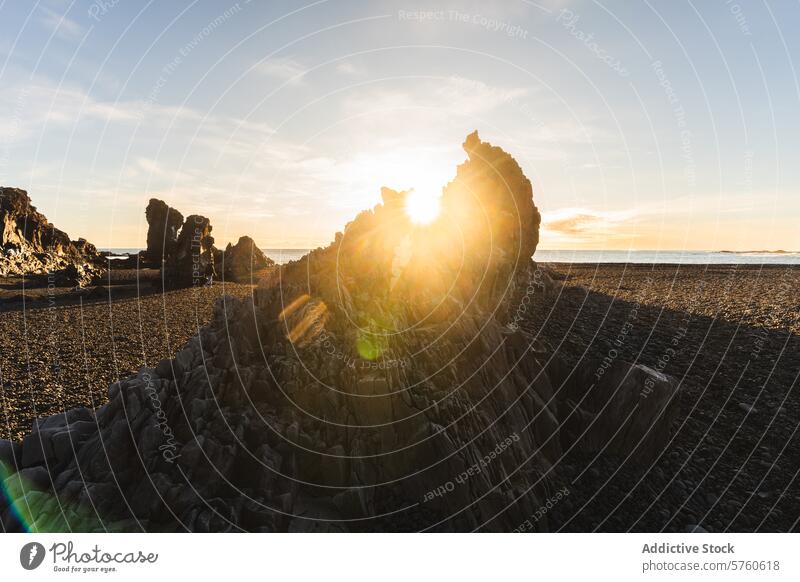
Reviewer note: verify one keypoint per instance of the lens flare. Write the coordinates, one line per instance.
(35, 511)
(422, 207)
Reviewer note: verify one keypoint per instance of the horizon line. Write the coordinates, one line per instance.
(776, 251)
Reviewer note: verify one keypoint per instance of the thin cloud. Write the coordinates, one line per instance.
(41, 103)
(65, 28)
(283, 68)
(576, 224)
(150, 166)
(569, 226)
(349, 69)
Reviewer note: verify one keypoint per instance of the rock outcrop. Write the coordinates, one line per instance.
(376, 384)
(163, 225)
(30, 245)
(614, 406)
(193, 258)
(244, 261)
(185, 249)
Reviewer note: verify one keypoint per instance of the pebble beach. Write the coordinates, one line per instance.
(60, 351)
(729, 333)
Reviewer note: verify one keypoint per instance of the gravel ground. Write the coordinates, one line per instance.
(730, 334)
(60, 351)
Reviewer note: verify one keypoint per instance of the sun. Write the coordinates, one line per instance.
(422, 207)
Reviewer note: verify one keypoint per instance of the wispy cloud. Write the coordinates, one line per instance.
(350, 69)
(65, 28)
(283, 68)
(573, 226)
(243, 174)
(459, 95)
(40, 104)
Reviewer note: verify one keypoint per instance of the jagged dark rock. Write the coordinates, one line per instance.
(244, 261)
(186, 252)
(192, 261)
(30, 245)
(611, 405)
(163, 225)
(376, 384)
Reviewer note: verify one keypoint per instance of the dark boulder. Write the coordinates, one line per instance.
(615, 407)
(163, 225)
(192, 261)
(244, 261)
(10, 454)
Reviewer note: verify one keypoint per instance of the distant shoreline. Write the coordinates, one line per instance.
(778, 252)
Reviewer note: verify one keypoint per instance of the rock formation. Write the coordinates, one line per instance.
(186, 251)
(163, 225)
(194, 256)
(376, 384)
(244, 261)
(30, 245)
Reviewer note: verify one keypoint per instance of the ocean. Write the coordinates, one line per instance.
(669, 257)
(282, 256)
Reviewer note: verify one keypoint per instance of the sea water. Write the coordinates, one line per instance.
(668, 257)
(283, 256)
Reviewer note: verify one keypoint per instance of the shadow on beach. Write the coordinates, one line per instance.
(733, 461)
(38, 291)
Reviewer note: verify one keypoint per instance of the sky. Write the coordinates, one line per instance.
(642, 125)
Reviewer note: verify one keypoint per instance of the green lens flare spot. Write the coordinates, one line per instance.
(370, 347)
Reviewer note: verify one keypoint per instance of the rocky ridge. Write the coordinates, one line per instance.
(377, 384)
(30, 245)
